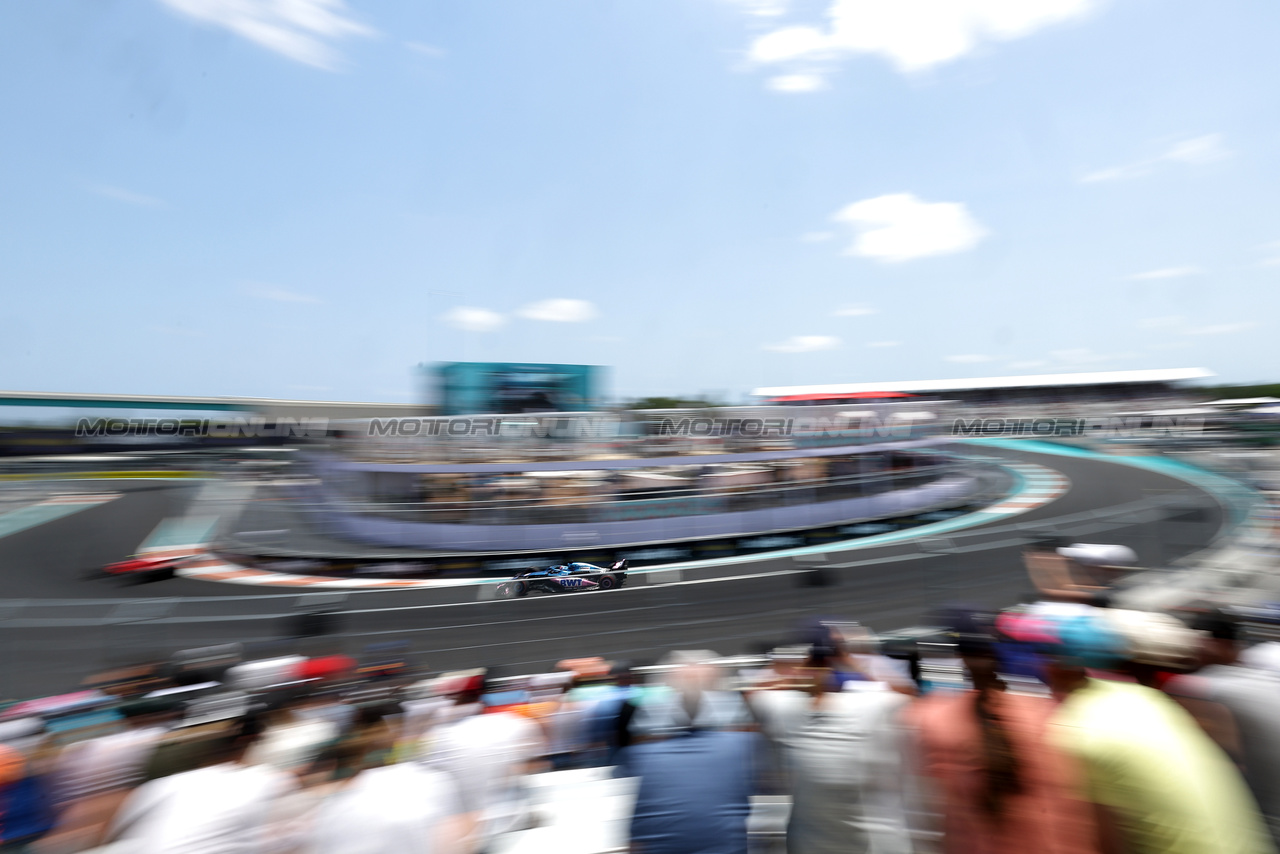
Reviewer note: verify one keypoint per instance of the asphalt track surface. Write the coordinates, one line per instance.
(56, 627)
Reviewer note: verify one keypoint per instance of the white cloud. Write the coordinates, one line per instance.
(1200, 149)
(1195, 151)
(761, 8)
(816, 236)
(1027, 364)
(121, 195)
(914, 34)
(472, 319)
(560, 311)
(899, 227)
(1221, 328)
(271, 292)
(789, 43)
(969, 358)
(298, 29)
(805, 344)
(797, 83)
(855, 311)
(884, 344)
(1166, 273)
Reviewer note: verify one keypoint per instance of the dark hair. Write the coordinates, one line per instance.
(822, 642)
(1047, 543)
(236, 738)
(248, 728)
(974, 634)
(1002, 770)
(1218, 624)
(375, 713)
(970, 629)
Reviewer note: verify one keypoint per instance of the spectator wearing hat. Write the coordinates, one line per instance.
(1155, 782)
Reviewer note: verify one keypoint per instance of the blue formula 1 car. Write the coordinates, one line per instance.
(565, 578)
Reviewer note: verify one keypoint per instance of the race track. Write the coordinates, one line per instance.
(57, 627)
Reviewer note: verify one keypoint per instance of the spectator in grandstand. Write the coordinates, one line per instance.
(846, 758)
(489, 756)
(1079, 572)
(610, 719)
(1001, 786)
(567, 723)
(93, 776)
(1157, 646)
(1154, 780)
(696, 777)
(861, 660)
(292, 739)
(1236, 706)
(691, 693)
(26, 798)
(386, 809)
(225, 806)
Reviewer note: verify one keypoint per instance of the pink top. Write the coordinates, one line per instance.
(1045, 817)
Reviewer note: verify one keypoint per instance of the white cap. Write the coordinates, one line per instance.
(1098, 554)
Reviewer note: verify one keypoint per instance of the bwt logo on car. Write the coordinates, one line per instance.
(515, 427)
(223, 428)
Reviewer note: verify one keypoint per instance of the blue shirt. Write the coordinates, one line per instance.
(695, 792)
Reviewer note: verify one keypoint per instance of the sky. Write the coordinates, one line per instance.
(310, 198)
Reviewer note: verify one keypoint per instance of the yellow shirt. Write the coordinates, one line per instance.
(1170, 789)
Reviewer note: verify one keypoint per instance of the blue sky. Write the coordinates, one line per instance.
(307, 198)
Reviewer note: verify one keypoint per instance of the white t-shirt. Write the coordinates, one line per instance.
(221, 809)
(391, 810)
(107, 763)
(486, 755)
(292, 745)
(846, 759)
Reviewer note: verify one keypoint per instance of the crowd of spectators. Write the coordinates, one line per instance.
(1050, 727)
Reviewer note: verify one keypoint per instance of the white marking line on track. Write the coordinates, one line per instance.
(49, 510)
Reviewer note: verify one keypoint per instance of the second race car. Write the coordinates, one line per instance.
(145, 568)
(565, 578)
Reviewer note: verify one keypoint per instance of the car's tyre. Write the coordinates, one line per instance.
(511, 589)
(607, 582)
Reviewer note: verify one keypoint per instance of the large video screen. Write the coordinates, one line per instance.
(467, 388)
